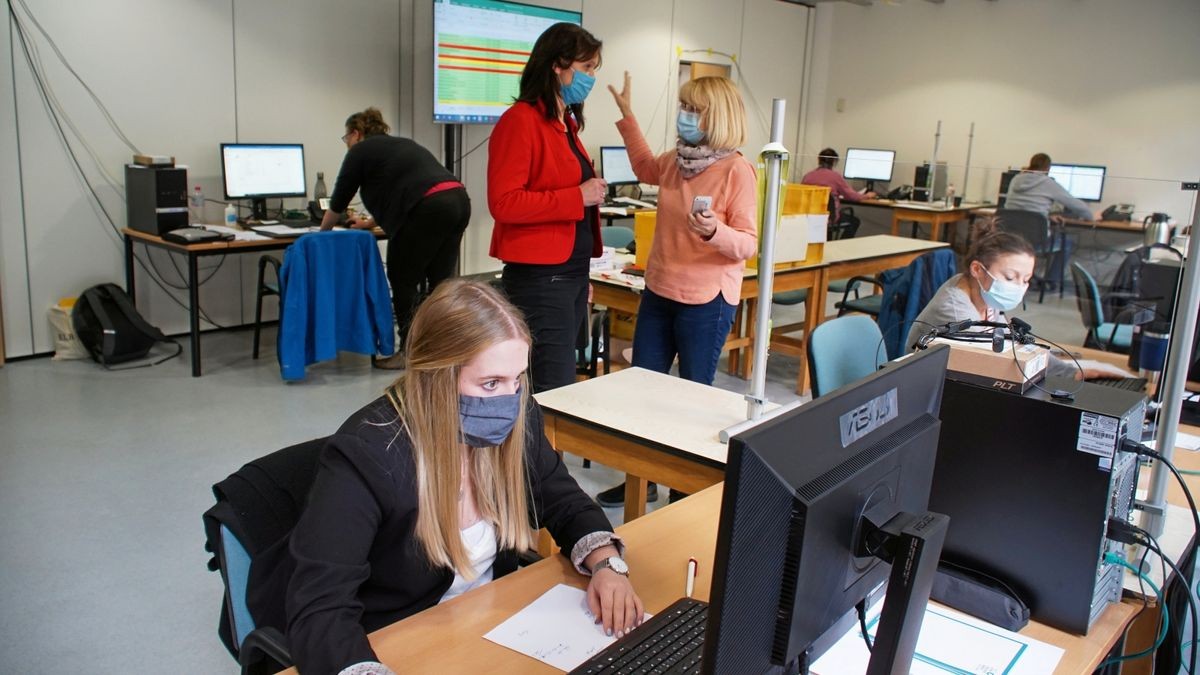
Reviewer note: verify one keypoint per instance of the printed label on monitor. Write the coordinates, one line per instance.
(869, 416)
(1097, 435)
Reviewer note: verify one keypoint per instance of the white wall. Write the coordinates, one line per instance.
(179, 76)
(1106, 82)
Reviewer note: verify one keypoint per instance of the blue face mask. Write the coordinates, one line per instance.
(576, 92)
(487, 420)
(688, 125)
(1004, 295)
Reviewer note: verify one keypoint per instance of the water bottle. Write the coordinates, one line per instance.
(319, 191)
(196, 207)
(950, 195)
(230, 215)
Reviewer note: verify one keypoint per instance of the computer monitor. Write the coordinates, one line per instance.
(615, 166)
(1082, 181)
(257, 171)
(813, 500)
(869, 165)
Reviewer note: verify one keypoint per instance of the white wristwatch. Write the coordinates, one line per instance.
(614, 563)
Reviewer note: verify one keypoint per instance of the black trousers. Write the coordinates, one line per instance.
(424, 252)
(555, 307)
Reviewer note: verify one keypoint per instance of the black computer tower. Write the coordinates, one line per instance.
(1029, 483)
(155, 198)
(1005, 179)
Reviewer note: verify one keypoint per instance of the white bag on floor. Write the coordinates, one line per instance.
(66, 344)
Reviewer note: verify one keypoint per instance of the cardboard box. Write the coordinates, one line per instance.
(154, 160)
(975, 362)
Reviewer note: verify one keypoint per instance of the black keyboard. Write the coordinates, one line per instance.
(1126, 383)
(670, 642)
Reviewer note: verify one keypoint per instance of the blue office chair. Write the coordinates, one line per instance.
(844, 350)
(256, 507)
(616, 236)
(1101, 334)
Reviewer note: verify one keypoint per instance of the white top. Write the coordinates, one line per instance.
(480, 540)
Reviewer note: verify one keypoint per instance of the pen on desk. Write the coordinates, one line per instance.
(691, 576)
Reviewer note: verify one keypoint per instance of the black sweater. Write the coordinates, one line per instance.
(353, 560)
(392, 173)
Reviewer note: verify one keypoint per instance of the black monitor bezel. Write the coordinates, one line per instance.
(846, 159)
(303, 168)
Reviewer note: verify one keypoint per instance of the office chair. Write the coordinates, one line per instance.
(256, 507)
(264, 288)
(1100, 333)
(844, 350)
(1051, 247)
(592, 345)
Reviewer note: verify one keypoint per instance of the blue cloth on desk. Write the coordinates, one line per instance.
(906, 291)
(334, 298)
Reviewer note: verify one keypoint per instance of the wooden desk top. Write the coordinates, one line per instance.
(650, 407)
(223, 246)
(449, 637)
(904, 205)
(875, 246)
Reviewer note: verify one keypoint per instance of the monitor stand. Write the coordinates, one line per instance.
(912, 544)
(258, 209)
(869, 186)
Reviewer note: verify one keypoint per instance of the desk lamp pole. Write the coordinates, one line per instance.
(1183, 328)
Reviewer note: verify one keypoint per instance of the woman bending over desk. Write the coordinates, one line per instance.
(434, 488)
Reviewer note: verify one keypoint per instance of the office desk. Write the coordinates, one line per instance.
(448, 638)
(652, 426)
(919, 212)
(193, 253)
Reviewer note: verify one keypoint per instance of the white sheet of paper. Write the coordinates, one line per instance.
(950, 642)
(556, 629)
(1182, 440)
(1116, 371)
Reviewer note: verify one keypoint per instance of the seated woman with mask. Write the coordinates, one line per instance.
(435, 487)
(999, 268)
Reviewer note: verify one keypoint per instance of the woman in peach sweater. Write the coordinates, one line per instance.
(694, 272)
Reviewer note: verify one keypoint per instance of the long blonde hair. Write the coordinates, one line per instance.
(722, 113)
(459, 320)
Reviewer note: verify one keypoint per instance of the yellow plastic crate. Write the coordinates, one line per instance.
(643, 235)
(805, 199)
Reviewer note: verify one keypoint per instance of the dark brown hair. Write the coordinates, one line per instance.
(1039, 162)
(991, 243)
(368, 123)
(828, 158)
(559, 46)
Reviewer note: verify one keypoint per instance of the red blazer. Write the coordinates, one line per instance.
(533, 189)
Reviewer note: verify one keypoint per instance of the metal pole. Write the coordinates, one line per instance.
(766, 266)
(1183, 329)
(967, 168)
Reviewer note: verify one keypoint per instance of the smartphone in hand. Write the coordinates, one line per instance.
(701, 203)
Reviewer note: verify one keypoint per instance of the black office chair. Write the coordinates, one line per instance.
(256, 506)
(264, 288)
(1052, 249)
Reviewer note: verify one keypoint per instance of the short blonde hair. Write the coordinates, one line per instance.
(722, 113)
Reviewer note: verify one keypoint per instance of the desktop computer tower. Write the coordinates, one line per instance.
(1029, 483)
(155, 198)
(921, 182)
(1005, 179)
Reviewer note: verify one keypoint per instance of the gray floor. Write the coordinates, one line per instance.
(104, 475)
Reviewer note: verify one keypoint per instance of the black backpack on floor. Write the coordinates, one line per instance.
(111, 329)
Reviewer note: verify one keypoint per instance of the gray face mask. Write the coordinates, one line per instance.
(487, 420)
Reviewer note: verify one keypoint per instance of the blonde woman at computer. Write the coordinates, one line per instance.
(435, 487)
(705, 230)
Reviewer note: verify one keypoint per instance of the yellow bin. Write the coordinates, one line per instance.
(643, 235)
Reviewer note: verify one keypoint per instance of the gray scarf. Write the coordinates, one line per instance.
(692, 160)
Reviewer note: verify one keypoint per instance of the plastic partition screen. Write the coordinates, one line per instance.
(480, 49)
(1082, 181)
(262, 170)
(869, 164)
(614, 164)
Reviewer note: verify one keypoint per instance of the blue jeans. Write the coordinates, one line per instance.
(694, 333)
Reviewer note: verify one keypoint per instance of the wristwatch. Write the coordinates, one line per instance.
(614, 563)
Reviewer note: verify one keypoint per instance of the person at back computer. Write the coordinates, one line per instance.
(1034, 190)
(825, 176)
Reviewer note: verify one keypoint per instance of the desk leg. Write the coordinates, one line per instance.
(935, 230)
(733, 365)
(895, 225)
(747, 358)
(129, 270)
(635, 497)
(814, 314)
(194, 311)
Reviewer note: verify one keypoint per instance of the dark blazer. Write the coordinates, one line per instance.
(533, 188)
(352, 563)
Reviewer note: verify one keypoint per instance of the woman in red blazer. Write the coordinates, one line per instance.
(543, 195)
